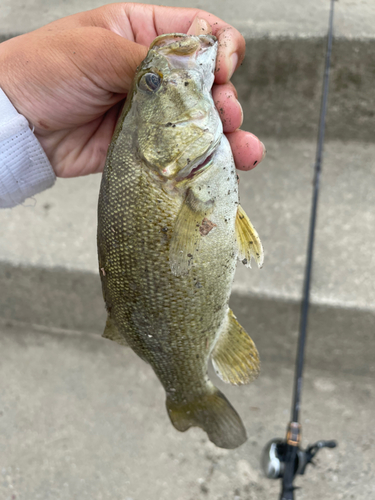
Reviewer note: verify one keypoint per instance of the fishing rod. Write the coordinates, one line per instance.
(284, 459)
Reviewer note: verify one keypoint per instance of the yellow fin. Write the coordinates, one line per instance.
(191, 224)
(213, 413)
(111, 332)
(248, 241)
(235, 357)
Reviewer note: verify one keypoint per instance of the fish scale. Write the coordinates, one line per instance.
(160, 297)
(168, 240)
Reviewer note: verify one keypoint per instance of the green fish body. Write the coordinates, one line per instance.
(170, 230)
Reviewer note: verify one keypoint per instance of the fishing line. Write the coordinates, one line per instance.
(284, 459)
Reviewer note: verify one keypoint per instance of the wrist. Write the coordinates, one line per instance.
(24, 167)
(8, 76)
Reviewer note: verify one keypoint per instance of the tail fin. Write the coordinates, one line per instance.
(214, 414)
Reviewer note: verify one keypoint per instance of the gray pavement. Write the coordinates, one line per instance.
(253, 18)
(81, 417)
(84, 418)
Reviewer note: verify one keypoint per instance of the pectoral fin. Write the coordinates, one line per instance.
(248, 241)
(235, 357)
(191, 224)
(111, 332)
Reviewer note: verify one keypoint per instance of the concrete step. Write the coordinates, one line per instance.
(48, 261)
(280, 87)
(290, 18)
(81, 417)
(279, 82)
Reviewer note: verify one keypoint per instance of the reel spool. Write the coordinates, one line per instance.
(274, 456)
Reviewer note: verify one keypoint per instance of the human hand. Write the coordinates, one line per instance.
(69, 78)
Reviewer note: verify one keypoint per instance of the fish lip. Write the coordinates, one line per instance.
(158, 42)
(186, 172)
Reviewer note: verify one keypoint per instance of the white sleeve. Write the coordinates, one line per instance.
(24, 166)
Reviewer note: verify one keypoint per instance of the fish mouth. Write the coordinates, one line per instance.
(182, 44)
(199, 164)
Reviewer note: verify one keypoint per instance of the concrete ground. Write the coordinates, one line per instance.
(83, 418)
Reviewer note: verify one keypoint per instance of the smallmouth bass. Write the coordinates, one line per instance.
(170, 230)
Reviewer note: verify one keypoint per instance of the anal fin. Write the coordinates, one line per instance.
(111, 332)
(235, 357)
(213, 413)
(248, 241)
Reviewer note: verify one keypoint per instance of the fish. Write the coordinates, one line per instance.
(170, 231)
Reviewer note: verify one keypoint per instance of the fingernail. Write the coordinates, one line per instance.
(199, 26)
(233, 64)
(264, 151)
(241, 113)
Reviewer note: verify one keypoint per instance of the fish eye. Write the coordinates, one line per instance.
(150, 82)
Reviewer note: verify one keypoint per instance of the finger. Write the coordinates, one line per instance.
(142, 23)
(107, 59)
(248, 151)
(230, 110)
(230, 54)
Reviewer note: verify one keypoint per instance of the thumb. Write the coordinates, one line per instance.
(108, 59)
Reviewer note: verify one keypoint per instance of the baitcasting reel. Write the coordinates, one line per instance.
(274, 456)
